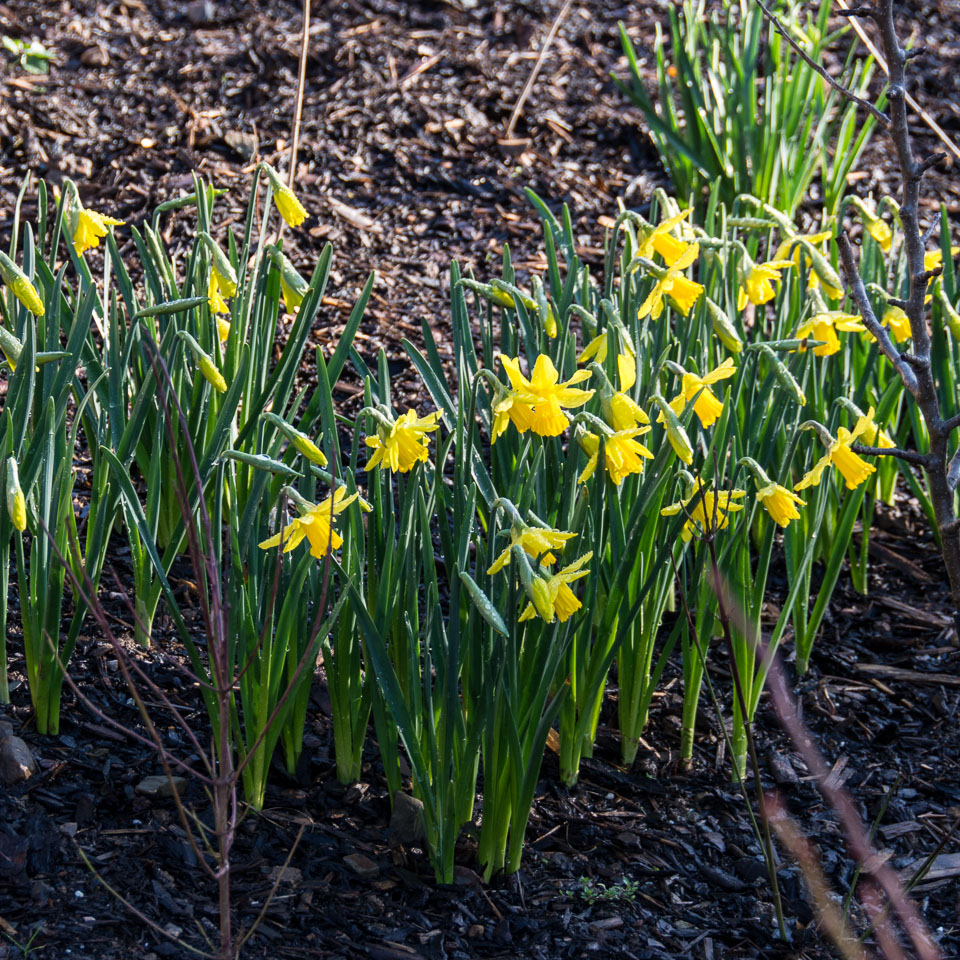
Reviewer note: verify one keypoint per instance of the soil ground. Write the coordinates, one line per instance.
(401, 168)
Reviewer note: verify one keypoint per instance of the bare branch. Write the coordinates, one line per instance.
(839, 87)
(855, 283)
(910, 456)
(952, 424)
(867, 12)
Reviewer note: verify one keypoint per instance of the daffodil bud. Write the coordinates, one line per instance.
(824, 271)
(16, 503)
(21, 286)
(540, 595)
(544, 309)
(783, 375)
(226, 275)
(299, 439)
(723, 328)
(676, 434)
(11, 347)
(489, 292)
(291, 209)
(293, 287)
(205, 364)
(950, 314)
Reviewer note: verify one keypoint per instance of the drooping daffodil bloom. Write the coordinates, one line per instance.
(215, 298)
(401, 444)
(852, 467)
(552, 597)
(823, 326)
(780, 503)
(660, 239)
(88, 226)
(623, 454)
(682, 291)
(710, 513)
(291, 209)
(756, 281)
(316, 524)
(934, 258)
(707, 406)
(538, 542)
(867, 428)
(776, 499)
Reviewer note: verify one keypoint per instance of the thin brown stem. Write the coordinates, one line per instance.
(910, 456)
(849, 94)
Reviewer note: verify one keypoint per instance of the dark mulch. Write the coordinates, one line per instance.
(401, 169)
(682, 837)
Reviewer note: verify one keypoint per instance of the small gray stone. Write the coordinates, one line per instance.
(782, 770)
(362, 866)
(201, 11)
(406, 821)
(160, 786)
(16, 761)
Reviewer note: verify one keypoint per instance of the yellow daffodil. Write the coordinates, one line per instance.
(756, 282)
(315, 525)
(404, 444)
(620, 409)
(792, 248)
(707, 406)
(510, 408)
(538, 542)
(544, 395)
(853, 468)
(711, 512)
(223, 329)
(933, 258)
(869, 430)
(823, 326)
(595, 349)
(293, 287)
(780, 503)
(88, 227)
(622, 454)
(624, 413)
(661, 240)
(291, 209)
(214, 296)
(881, 232)
(553, 596)
(21, 286)
(801, 249)
(683, 292)
(897, 320)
